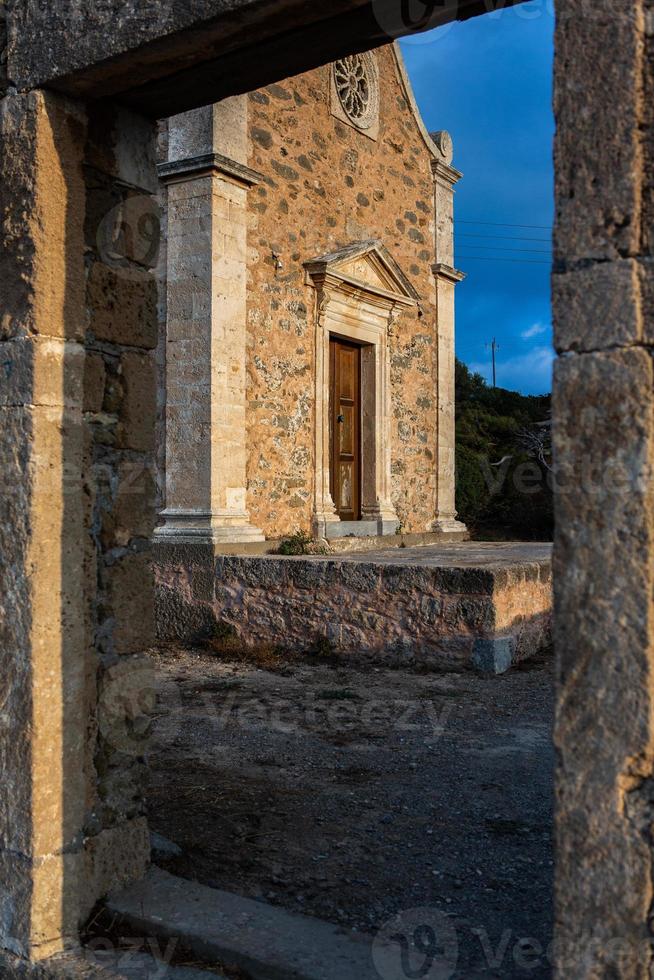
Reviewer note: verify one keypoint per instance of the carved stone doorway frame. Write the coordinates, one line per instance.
(359, 291)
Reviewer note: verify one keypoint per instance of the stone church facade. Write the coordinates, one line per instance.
(307, 360)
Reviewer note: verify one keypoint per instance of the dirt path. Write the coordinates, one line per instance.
(357, 795)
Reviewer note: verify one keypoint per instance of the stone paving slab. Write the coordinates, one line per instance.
(466, 554)
(268, 942)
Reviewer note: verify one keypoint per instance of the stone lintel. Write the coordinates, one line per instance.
(191, 168)
(358, 290)
(443, 271)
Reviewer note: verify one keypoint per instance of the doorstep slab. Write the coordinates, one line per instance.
(269, 943)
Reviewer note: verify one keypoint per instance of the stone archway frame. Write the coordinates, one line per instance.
(360, 289)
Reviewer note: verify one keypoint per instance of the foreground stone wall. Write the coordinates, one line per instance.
(604, 445)
(326, 185)
(71, 820)
(42, 534)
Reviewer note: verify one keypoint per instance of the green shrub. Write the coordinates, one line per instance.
(296, 544)
(490, 498)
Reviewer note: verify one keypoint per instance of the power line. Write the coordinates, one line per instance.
(488, 258)
(501, 224)
(498, 248)
(504, 238)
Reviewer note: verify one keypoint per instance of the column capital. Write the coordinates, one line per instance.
(444, 173)
(190, 168)
(448, 272)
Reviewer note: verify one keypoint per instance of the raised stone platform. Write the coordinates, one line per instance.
(485, 605)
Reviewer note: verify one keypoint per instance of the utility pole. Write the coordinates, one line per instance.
(494, 346)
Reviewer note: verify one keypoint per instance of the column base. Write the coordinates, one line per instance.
(450, 527)
(200, 528)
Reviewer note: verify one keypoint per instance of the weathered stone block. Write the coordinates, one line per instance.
(359, 576)
(129, 512)
(465, 580)
(646, 282)
(42, 371)
(138, 408)
(94, 380)
(403, 579)
(599, 49)
(604, 445)
(41, 242)
(473, 612)
(310, 574)
(493, 656)
(131, 598)
(257, 573)
(123, 306)
(597, 307)
(115, 858)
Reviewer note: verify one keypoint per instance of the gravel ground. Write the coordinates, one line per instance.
(357, 795)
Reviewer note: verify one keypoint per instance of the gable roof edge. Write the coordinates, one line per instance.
(435, 151)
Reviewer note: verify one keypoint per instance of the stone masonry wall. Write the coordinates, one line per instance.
(325, 186)
(389, 611)
(122, 235)
(603, 410)
(76, 514)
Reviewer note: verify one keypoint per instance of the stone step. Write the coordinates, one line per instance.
(92, 963)
(269, 943)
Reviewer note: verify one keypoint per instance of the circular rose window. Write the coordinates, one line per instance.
(358, 88)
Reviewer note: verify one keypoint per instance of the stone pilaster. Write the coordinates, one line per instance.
(207, 182)
(445, 177)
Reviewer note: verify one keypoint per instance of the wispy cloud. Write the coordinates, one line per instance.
(534, 331)
(529, 373)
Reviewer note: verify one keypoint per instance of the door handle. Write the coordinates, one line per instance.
(340, 418)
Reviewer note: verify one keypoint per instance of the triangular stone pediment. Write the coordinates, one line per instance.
(369, 264)
(365, 269)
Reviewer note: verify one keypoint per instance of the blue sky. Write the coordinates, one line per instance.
(488, 82)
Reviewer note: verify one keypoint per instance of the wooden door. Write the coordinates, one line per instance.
(345, 428)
